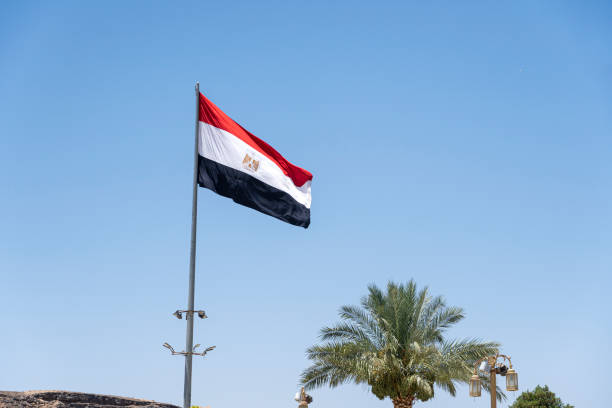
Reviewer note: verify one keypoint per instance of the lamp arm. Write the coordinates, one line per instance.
(507, 358)
(496, 357)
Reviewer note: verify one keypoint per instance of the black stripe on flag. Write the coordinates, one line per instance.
(247, 190)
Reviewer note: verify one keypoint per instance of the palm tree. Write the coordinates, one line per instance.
(395, 344)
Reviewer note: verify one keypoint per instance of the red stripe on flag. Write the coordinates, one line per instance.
(211, 114)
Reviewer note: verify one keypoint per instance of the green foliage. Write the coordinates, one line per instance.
(541, 397)
(395, 343)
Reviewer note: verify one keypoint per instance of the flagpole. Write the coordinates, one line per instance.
(192, 255)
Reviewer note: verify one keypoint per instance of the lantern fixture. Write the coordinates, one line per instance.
(475, 388)
(489, 367)
(511, 380)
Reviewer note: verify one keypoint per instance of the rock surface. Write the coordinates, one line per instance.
(63, 399)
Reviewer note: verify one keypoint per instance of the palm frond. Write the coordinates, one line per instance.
(345, 332)
(369, 326)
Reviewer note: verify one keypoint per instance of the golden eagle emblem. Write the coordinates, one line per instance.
(250, 163)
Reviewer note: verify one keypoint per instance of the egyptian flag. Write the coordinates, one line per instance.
(237, 164)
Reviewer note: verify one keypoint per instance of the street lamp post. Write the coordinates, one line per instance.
(189, 316)
(494, 366)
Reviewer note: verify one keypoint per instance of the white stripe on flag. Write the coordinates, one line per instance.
(224, 148)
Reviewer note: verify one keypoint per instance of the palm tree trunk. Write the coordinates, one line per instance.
(403, 402)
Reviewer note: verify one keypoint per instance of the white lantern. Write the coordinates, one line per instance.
(475, 386)
(511, 380)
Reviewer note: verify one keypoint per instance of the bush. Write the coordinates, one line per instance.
(541, 397)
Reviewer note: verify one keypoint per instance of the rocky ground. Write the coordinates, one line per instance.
(62, 399)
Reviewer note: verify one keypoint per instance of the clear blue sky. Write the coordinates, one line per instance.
(467, 146)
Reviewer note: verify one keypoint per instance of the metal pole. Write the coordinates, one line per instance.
(192, 255)
(303, 403)
(493, 387)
